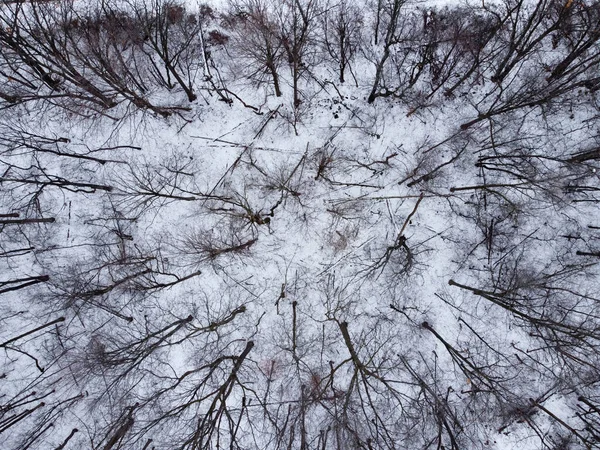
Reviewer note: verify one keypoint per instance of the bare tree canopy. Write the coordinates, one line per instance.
(299, 224)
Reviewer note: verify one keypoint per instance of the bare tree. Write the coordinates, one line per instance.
(342, 27)
(257, 39)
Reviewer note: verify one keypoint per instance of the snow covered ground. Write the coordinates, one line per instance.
(246, 271)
